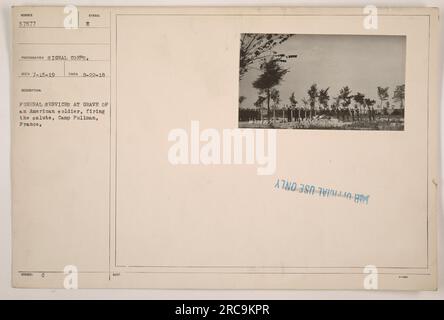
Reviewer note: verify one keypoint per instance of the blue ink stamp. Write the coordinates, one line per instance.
(321, 191)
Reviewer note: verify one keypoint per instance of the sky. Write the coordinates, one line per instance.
(361, 62)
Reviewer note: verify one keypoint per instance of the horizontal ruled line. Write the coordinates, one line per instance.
(61, 43)
(42, 60)
(63, 28)
(62, 77)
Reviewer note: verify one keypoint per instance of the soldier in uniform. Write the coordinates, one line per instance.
(373, 113)
(357, 112)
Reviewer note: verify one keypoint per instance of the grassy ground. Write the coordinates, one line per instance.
(380, 123)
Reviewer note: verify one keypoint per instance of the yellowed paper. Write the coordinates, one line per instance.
(147, 154)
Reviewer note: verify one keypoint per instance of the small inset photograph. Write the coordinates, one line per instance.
(342, 82)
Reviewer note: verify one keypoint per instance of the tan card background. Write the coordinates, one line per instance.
(103, 197)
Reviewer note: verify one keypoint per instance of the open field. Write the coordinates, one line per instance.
(394, 123)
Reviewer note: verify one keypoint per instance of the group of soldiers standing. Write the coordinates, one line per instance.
(341, 113)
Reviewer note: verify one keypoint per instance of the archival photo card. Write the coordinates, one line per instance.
(297, 81)
(142, 155)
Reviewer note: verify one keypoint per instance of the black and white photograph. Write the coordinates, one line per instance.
(342, 82)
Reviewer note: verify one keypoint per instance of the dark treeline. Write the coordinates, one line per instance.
(345, 106)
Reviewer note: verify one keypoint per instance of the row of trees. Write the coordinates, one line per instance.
(317, 101)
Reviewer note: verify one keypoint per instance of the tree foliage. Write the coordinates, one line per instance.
(312, 95)
(359, 98)
(275, 96)
(304, 102)
(369, 102)
(383, 94)
(345, 96)
(259, 102)
(399, 95)
(293, 100)
(272, 74)
(254, 46)
(323, 98)
(241, 99)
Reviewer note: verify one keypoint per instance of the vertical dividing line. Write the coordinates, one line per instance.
(109, 146)
(115, 150)
(428, 106)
